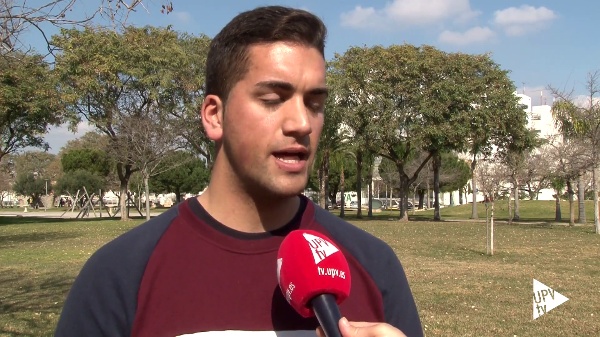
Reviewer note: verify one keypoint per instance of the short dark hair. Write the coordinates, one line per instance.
(227, 60)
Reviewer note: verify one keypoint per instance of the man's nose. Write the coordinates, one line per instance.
(297, 120)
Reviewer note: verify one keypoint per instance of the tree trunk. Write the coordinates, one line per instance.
(557, 214)
(323, 181)
(123, 201)
(147, 192)
(571, 194)
(124, 172)
(595, 188)
(516, 215)
(460, 196)
(510, 210)
(474, 190)
(421, 194)
(342, 182)
(437, 163)
(403, 196)
(359, 184)
(370, 189)
(581, 199)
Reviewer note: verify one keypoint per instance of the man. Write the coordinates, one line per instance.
(208, 266)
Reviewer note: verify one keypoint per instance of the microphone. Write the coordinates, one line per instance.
(314, 277)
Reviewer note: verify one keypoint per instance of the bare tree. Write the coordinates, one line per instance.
(580, 119)
(567, 159)
(144, 142)
(20, 16)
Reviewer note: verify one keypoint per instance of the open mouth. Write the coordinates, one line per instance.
(290, 157)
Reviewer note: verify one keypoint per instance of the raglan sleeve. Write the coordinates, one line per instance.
(102, 300)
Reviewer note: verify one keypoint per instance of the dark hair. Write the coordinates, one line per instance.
(227, 60)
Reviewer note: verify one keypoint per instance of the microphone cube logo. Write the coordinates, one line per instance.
(320, 247)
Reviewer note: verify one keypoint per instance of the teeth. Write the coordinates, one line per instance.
(289, 159)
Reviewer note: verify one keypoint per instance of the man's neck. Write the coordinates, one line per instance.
(241, 212)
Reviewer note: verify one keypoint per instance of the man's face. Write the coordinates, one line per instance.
(273, 119)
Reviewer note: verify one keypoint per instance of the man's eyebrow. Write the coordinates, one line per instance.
(276, 85)
(286, 86)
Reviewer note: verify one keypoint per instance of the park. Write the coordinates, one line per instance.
(481, 192)
(458, 288)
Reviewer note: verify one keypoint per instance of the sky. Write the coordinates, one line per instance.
(540, 42)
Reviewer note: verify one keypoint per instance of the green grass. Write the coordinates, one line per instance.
(459, 290)
(529, 211)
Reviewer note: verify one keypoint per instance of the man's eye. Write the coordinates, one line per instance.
(270, 100)
(316, 106)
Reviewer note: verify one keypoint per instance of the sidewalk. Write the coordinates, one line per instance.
(47, 214)
(20, 212)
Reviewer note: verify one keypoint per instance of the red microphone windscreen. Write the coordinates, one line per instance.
(309, 264)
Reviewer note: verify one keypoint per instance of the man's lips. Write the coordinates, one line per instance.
(292, 159)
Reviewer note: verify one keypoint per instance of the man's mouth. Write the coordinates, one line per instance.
(289, 158)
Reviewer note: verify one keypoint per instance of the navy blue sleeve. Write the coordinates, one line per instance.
(103, 298)
(380, 261)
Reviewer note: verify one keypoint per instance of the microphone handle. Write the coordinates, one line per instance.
(328, 314)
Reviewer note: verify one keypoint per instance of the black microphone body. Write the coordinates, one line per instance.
(328, 314)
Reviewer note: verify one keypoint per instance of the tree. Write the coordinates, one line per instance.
(192, 175)
(19, 16)
(32, 185)
(581, 120)
(334, 139)
(91, 140)
(377, 92)
(29, 102)
(107, 78)
(78, 179)
(31, 162)
(145, 143)
(536, 175)
(7, 178)
(92, 160)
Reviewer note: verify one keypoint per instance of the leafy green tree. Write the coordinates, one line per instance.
(107, 77)
(29, 102)
(362, 95)
(192, 175)
(91, 140)
(78, 179)
(333, 138)
(91, 160)
(31, 185)
(33, 162)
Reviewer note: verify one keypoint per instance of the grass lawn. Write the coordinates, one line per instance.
(459, 290)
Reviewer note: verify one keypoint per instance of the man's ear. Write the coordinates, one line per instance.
(212, 117)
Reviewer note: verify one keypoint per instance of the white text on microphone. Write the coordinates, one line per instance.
(332, 272)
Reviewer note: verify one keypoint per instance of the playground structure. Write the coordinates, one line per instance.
(86, 203)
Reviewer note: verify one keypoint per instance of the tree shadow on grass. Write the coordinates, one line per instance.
(12, 239)
(22, 220)
(33, 302)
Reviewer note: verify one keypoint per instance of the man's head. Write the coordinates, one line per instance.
(266, 92)
(227, 60)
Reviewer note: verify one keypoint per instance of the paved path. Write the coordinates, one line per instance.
(20, 212)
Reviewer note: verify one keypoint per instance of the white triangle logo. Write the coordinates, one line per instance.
(545, 299)
(320, 247)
